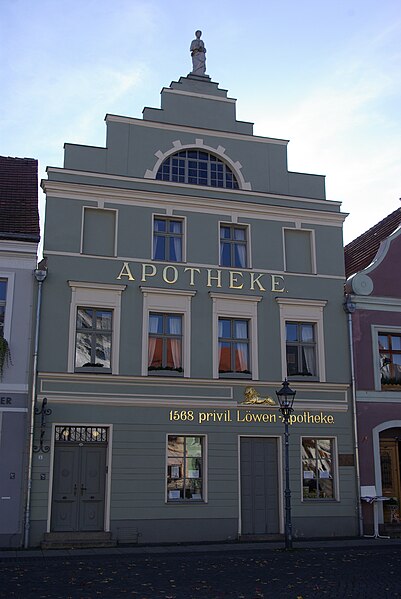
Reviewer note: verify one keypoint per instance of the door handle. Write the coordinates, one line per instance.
(75, 489)
(82, 488)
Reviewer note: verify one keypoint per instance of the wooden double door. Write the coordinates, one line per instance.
(79, 478)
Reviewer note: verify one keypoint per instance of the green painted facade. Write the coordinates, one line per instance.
(98, 243)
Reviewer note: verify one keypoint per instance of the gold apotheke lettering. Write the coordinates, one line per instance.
(208, 277)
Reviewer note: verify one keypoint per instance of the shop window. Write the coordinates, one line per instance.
(185, 469)
(301, 349)
(167, 239)
(197, 167)
(93, 339)
(165, 344)
(233, 246)
(390, 360)
(234, 347)
(318, 462)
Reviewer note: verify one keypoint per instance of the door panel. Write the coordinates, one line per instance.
(92, 488)
(65, 499)
(259, 486)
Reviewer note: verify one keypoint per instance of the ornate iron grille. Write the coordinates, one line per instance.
(82, 434)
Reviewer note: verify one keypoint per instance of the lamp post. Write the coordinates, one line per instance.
(286, 399)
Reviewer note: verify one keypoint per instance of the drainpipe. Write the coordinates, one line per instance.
(40, 275)
(350, 308)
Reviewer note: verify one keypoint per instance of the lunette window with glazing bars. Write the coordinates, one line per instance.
(81, 434)
(197, 167)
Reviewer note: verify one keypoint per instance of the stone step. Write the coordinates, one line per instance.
(75, 540)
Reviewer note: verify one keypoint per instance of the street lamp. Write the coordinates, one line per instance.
(286, 398)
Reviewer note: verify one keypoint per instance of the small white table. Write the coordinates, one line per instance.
(375, 500)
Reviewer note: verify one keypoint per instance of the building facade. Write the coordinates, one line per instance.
(189, 273)
(19, 236)
(372, 264)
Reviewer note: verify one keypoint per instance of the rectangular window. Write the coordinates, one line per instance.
(3, 296)
(233, 246)
(234, 347)
(165, 343)
(300, 349)
(167, 239)
(318, 468)
(390, 360)
(185, 468)
(93, 339)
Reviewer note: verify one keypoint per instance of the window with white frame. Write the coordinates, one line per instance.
(390, 360)
(166, 332)
(235, 339)
(318, 468)
(93, 338)
(234, 347)
(94, 332)
(301, 348)
(168, 238)
(302, 338)
(185, 468)
(233, 246)
(165, 343)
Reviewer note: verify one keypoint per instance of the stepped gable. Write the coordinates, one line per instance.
(19, 217)
(360, 252)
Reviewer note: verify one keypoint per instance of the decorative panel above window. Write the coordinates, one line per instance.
(299, 251)
(185, 469)
(233, 246)
(167, 239)
(390, 360)
(99, 232)
(197, 167)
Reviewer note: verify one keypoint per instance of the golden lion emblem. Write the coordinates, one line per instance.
(252, 397)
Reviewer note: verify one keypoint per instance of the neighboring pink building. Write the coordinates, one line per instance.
(373, 268)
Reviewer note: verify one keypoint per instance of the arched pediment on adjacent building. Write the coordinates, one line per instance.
(198, 164)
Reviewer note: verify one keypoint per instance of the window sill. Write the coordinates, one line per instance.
(235, 375)
(303, 377)
(93, 369)
(162, 372)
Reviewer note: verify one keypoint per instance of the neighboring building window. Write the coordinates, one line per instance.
(165, 343)
(233, 347)
(197, 167)
(390, 359)
(3, 295)
(93, 338)
(300, 349)
(318, 468)
(233, 246)
(167, 239)
(185, 468)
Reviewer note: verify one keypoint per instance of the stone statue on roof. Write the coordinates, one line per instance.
(198, 53)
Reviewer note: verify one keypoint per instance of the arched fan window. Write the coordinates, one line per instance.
(197, 168)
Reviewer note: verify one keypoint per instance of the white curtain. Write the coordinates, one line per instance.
(309, 358)
(175, 329)
(153, 326)
(241, 349)
(241, 253)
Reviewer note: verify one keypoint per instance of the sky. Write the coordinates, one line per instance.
(323, 74)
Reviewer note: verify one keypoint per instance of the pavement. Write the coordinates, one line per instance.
(343, 568)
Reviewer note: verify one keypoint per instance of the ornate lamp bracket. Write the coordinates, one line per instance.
(44, 411)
